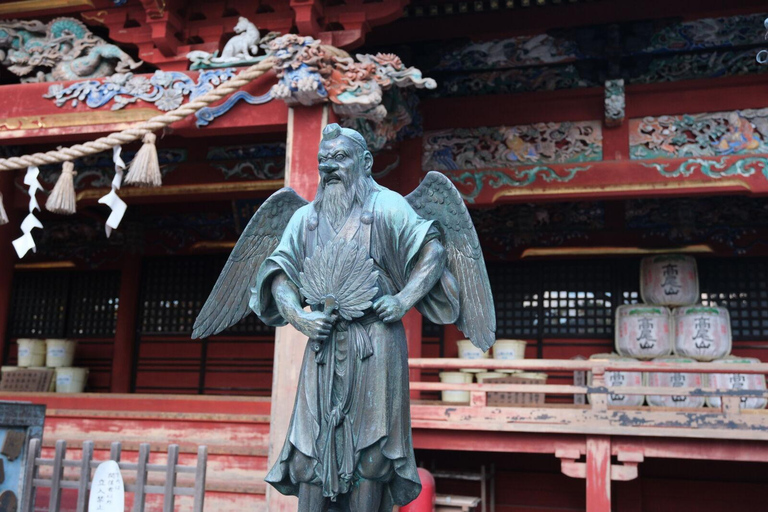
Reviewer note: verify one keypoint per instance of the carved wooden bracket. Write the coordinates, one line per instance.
(572, 467)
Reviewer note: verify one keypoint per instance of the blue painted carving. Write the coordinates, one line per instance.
(248, 151)
(207, 115)
(166, 89)
(716, 168)
(514, 177)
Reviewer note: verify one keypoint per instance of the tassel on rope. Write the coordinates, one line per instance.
(145, 167)
(62, 199)
(25, 242)
(3, 215)
(115, 204)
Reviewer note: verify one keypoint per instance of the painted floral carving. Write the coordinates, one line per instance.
(63, 49)
(740, 132)
(358, 89)
(502, 147)
(166, 89)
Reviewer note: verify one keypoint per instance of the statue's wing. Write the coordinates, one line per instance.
(437, 199)
(228, 302)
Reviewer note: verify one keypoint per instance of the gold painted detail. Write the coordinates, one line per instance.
(43, 265)
(607, 251)
(15, 124)
(639, 187)
(178, 190)
(208, 246)
(98, 16)
(40, 5)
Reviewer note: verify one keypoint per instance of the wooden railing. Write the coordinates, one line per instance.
(729, 421)
(140, 487)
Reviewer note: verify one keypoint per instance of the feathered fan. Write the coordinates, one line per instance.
(340, 277)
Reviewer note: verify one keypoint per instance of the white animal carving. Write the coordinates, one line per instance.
(244, 45)
(240, 49)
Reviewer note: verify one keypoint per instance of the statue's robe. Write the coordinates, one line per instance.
(351, 418)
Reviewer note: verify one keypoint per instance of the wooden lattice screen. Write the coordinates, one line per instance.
(82, 482)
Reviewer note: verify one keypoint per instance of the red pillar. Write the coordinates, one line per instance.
(7, 233)
(598, 474)
(405, 178)
(125, 331)
(412, 324)
(305, 126)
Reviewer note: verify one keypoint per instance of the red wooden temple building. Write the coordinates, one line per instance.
(583, 135)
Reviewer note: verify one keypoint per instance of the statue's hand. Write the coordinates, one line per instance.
(390, 308)
(315, 325)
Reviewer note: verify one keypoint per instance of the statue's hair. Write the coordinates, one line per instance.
(333, 130)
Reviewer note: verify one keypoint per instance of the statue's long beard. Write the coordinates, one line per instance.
(336, 201)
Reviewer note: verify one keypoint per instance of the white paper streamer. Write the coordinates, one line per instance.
(115, 204)
(25, 242)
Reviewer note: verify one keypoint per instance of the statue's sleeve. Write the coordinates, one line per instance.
(287, 258)
(400, 235)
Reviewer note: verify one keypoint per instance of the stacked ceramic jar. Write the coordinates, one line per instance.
(671, 322)
(51, 354)
(503, 349)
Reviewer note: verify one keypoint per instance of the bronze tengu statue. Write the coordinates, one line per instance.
(360, 256)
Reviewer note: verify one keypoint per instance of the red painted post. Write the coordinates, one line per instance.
(598, 474)
(412, 323)
(125, 330)
(7, 233)
(305, 126)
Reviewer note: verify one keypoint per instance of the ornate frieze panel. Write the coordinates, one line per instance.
(692, 66)
(248, 162)
(63, 49)
(166, 89)
(731, 221)
(511, 52)
(707, 33)
(741, 132)
(508, 228)
(505, 146)
(639, 52)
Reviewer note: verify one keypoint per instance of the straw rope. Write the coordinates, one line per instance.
(132, 134)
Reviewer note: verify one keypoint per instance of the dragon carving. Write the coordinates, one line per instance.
(63, 49)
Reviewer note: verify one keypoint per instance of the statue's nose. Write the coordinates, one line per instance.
(328, 167)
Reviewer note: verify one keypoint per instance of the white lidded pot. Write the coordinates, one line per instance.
(738, 381)
(60, 353)
(71, 380)
(468, 351)
(456, 378)
(675, 380)
(643, 332)
(31, 352)
(702, 332)
(505, 349)
(669, 280)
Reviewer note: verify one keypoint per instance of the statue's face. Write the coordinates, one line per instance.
(339, 162)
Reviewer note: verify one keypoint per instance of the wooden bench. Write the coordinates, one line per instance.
(79, 477)
(452, 503)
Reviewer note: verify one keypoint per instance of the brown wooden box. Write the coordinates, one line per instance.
(508, 399)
